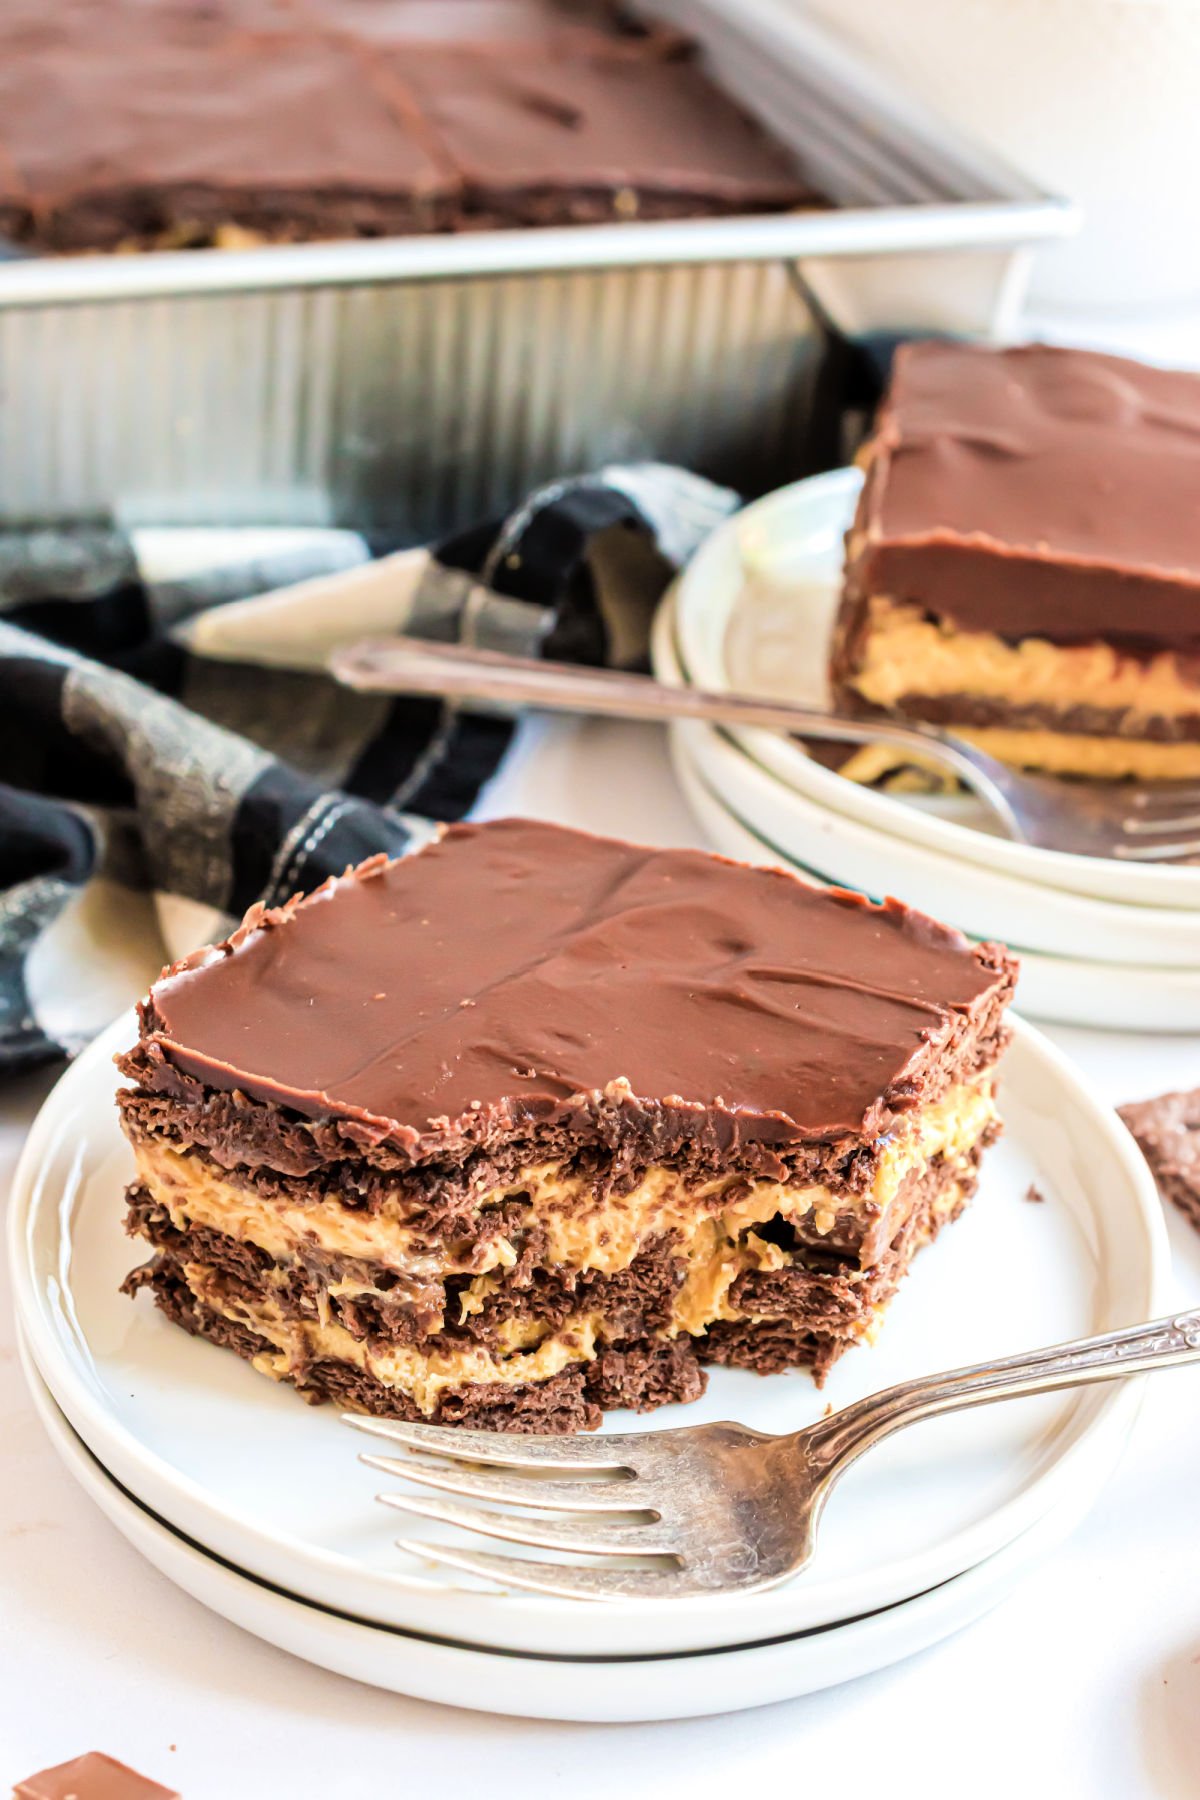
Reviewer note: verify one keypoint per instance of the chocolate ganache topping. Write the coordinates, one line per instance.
(512, 967)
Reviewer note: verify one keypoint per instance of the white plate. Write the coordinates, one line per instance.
(611, 1690)
(260, 1478)
(1060, 989)
(754, 610)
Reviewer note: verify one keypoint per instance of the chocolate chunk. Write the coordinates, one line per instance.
(1168, 1134)
(91, 1777)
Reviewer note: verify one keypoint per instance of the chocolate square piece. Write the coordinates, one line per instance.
(1168, 1134)
(533, 1123)
(1024, 563)
(271, 134)
(91, 1777)
(573, 137)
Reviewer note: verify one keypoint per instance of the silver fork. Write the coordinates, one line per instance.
(716, 1508)
(1137, 822)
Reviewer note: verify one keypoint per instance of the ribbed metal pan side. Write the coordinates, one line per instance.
(413, 407)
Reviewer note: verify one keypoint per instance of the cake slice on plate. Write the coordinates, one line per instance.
(533, 1123)
(1024, 564)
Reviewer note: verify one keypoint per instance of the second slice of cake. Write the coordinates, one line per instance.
(533, 1123)
(1024, 564)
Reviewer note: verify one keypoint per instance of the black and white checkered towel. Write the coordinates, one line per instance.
(165, 720)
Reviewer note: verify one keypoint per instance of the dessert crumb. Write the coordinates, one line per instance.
(1034, 1194)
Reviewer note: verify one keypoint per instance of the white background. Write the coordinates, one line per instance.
(1085, 1682)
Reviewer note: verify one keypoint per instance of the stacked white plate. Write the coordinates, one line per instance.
(1102, 942)
(258, 1506)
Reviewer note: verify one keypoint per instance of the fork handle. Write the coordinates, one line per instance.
(407, 665)
(1137, 1350)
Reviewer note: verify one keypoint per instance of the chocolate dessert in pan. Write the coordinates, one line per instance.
(531, 1124)
(142, 124)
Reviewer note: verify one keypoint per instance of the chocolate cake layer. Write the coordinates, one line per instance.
(992, 584)
(292, 1160)
(661, 1093)
(128, 124)
(1078, 740)
(559, 1404)
(540, 1230)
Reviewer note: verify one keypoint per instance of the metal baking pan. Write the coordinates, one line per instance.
(417, 383)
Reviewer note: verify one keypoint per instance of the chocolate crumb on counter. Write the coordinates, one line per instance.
(1167, 1130)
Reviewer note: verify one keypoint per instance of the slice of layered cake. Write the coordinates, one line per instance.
(1024, 565)
(533, 1123)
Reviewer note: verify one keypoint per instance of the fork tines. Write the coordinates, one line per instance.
(1155, 813)
(610, 1508)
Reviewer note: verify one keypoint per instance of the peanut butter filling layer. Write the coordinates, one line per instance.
(904, 652)
(1075, 753)
(1054, 752)
(1126, 708)
(719, 1232)
(526, 1354)
(584, 1229)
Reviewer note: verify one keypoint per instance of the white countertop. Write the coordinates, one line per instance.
(1086, 1681)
